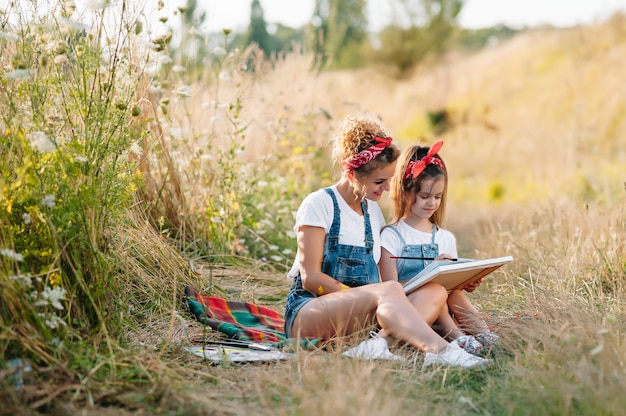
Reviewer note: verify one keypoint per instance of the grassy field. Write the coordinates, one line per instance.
(124, 179)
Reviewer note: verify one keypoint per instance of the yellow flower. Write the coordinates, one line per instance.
(55, 279)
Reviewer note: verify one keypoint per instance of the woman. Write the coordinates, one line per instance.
(337, 289)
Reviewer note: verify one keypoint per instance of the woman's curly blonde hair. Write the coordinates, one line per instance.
(357, 133)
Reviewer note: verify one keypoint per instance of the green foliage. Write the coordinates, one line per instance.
(339, 30)
(257, 30)
(472, 40)
(66, 176)
(424, 29)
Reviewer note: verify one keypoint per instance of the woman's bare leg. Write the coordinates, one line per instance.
(345, 312)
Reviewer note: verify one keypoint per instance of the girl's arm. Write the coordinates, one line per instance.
(387, 266)
(311, 255)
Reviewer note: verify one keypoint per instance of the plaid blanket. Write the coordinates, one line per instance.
(238, 320)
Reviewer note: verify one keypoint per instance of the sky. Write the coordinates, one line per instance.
(235, 14)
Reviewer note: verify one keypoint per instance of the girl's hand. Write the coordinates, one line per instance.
(444, 257)
(470, 287)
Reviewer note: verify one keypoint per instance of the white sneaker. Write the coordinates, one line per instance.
(454, 355)
(470, 344)
(488, 339)
(375, 348)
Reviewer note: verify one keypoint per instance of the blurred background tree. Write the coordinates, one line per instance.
(340, 36)
(419, 29)
(338, 33)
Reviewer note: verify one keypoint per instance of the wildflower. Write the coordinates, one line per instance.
(18, 74)
(178, 68)
(165, 59)
(218, 51)
(55, 279)
(7, 252)
(183, 91)
(154, 87)
(26, 218)
(24, 280)
(136, 149)
(48, 201)
(52, 321)
(287, 252)
(273, 247)
(276, 258)
(61, 60)
(54, 296)
(40, 141)
(267, 223)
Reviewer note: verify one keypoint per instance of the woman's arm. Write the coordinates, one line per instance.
(311, 255)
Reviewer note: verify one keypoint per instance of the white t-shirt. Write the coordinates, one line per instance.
(317, 210)
(392, 243)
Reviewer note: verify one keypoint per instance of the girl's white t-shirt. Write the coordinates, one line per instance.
(317, 211)
(392, 243)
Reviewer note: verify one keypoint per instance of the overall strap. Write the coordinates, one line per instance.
(394, 228)
(432, 239)
(333, 234)
(369, 237)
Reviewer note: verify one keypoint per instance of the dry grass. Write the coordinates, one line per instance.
(538, 118)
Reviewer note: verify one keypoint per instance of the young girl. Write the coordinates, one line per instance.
(337, 289)
(419, 200)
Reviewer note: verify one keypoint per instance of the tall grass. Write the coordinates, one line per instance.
(125, 175)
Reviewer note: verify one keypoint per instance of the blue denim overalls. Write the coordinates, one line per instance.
(409, 268)
(350, 265)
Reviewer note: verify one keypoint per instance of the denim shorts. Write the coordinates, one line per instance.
(296, 299)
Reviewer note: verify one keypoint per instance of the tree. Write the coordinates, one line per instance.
(257, 30)
(338, 32)
(423, 28)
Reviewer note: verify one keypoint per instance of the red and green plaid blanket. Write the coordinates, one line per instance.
(238, 320)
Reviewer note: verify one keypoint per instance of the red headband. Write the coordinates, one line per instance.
(415, 167)
(367, 155)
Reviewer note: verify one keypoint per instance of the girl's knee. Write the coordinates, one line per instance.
(435, 291)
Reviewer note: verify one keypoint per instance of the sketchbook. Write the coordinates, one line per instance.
(221, 354)
(455, 275)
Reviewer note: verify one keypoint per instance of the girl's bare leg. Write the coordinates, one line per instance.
(429, 300)
(467, 316)
(348, 311)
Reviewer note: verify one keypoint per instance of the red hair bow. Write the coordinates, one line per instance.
(415, 167)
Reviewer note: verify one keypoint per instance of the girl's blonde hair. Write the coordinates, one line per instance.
(404, 191)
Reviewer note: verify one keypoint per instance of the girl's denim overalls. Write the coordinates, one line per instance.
(409, 268)
(350, 265)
